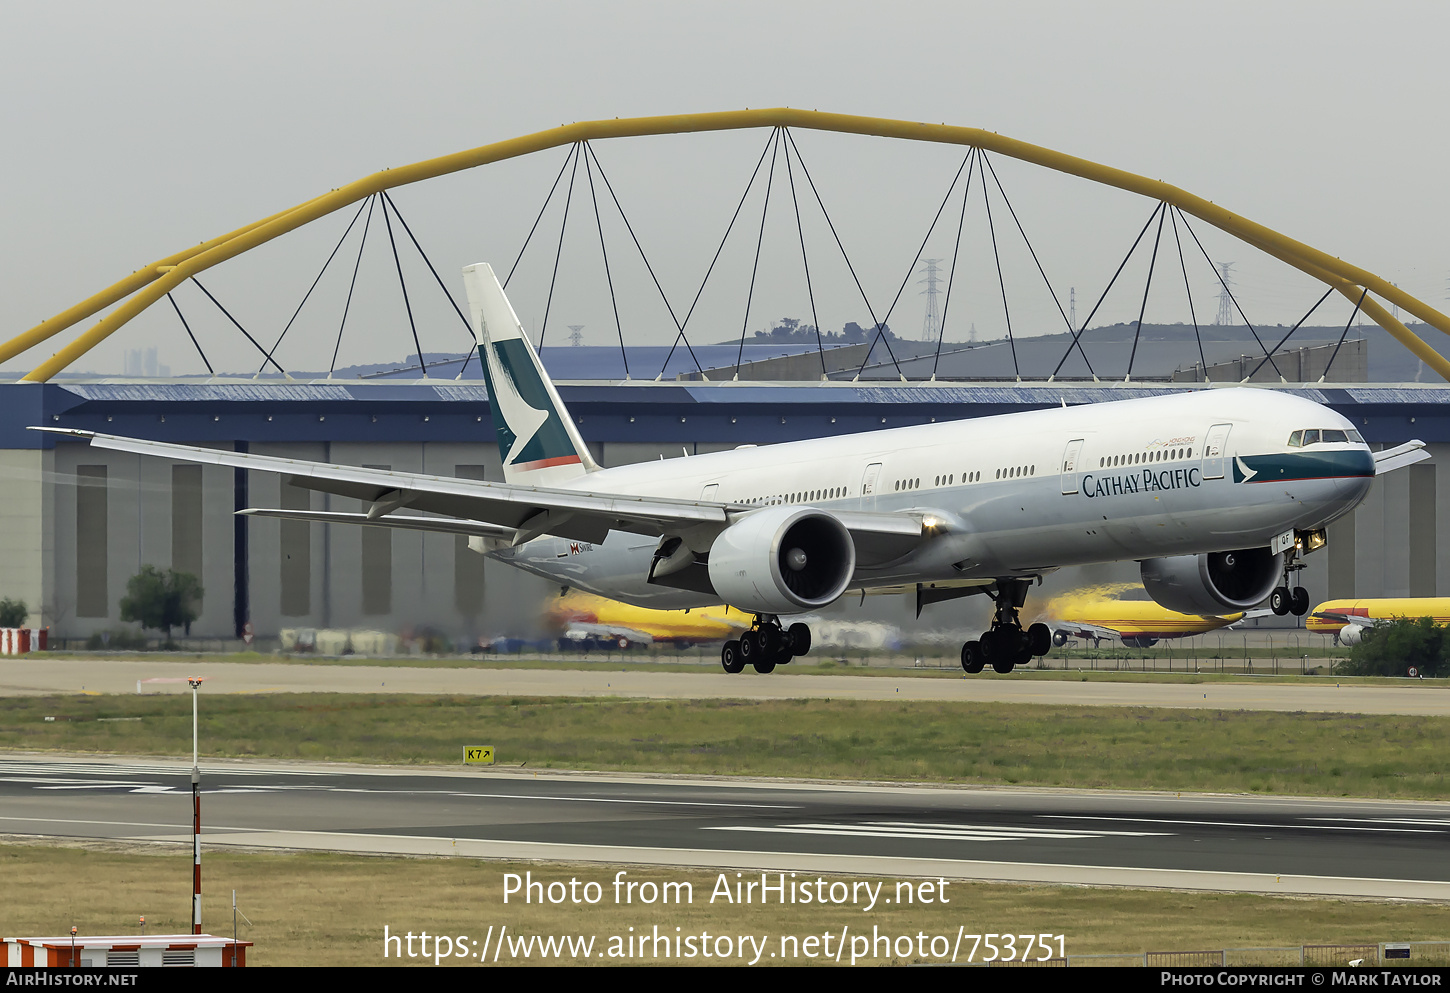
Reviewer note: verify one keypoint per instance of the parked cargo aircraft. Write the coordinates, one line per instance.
(1348, 619)
(1096, 615)
(1217, 492)
(586, 621)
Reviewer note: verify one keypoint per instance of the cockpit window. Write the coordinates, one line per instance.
(1323, 436)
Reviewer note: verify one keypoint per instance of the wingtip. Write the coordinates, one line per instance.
(73, 432)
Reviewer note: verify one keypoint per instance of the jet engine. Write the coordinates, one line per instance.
(1350, 634)
(1214, 582)
(782, 560)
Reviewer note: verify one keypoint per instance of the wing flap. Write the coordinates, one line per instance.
(445, 525)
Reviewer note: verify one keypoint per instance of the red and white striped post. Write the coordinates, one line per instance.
(195, 817)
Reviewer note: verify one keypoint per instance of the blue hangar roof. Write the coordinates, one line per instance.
(721, 413)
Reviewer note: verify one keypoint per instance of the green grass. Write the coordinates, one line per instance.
(324, 909)
(1119, 747)
(1108, 667)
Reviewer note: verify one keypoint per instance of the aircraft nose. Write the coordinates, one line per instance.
(1353, 489)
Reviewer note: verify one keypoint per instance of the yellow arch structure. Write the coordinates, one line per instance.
(147, 285)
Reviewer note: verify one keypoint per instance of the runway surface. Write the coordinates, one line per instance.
(46, 676)
(1227, 843)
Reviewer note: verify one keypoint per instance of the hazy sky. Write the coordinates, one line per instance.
(131, 130)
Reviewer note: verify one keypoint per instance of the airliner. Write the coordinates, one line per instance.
(1218, 493)
(586, 621)
(1101, 613)
(1347, 620)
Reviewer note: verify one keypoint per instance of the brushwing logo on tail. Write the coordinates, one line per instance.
(530, 433)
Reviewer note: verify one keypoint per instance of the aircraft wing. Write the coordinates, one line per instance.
(1083, 629)
(1247, 615)
(524, 511)
(1400, 456)
(607, 632)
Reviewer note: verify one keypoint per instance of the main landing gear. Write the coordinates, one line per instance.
(1005, 645)
(766, 645)
(1290, 600)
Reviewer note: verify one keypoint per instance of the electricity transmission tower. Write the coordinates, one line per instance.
(1225, 299)
(931, 326)
(575, 338)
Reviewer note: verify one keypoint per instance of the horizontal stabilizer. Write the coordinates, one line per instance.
(1337, 618)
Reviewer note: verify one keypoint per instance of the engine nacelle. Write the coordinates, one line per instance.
(782, 560)
(1215, 582)
(1351, 634)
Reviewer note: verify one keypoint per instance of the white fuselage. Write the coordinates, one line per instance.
(1017, 494)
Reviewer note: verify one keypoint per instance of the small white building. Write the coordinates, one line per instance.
(125, 951)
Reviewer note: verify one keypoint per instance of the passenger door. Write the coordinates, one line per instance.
(868, 486)
(1213, 448)
(1069, 466)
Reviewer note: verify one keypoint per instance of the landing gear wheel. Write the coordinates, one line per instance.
(1039, 639)
(772, 641)
(750, 647)
(1002, 648)
(1279, 600)
(764, 665)
(730, 657)
(799, 638)
(1299, 602)
(972, 661)
(988, 649)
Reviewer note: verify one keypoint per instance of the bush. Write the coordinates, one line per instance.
(1391, 648)
(162, 600)
(13, 613)
(120, 641)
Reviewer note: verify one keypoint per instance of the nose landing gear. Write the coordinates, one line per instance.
(1290, 600)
